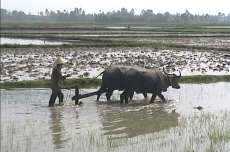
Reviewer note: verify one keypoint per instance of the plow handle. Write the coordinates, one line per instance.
(76, 97)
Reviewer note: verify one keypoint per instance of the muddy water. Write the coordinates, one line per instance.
(27, 124)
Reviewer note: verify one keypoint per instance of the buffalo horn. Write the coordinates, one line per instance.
(179, 75)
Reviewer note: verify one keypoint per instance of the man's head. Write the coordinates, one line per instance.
(59, 62)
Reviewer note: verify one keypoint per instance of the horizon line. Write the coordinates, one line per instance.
(106, 10)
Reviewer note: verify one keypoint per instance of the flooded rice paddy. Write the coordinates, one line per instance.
(27, 124)
(23, 41)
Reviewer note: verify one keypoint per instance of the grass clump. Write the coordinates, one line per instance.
(217, 135)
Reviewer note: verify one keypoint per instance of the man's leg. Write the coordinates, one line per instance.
(52, 98)
(60, 97)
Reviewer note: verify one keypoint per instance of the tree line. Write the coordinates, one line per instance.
(146, 16)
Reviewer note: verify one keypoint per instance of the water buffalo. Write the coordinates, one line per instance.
(149, 81)
(113, 79)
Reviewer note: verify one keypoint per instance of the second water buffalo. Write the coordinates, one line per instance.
(150, 81)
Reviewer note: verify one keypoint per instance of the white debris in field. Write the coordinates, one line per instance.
(36, 63)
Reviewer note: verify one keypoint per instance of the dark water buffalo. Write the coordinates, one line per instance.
(153, 81)
(113, 78)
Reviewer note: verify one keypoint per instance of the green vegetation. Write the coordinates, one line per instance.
(90, 82)
(217, 135)
(70, 83)
(78, 28)
(205, 79)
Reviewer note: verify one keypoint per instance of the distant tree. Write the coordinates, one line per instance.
(117, 16)
(52, 14)
(47, 13)
(3, 12)
(41, 13)
(132, 12)
(186, 16)
(147, 13)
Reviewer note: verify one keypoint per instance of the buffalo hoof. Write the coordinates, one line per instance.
(151, 101)
(164, 101)
(61, 104)
(78, 103)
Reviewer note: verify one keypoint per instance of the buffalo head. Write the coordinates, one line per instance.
(173, 79)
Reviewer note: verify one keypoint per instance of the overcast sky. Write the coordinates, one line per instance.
(90, 6)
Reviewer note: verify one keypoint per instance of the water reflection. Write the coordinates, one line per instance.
(64, 125)
(131, 121)
(57, 127)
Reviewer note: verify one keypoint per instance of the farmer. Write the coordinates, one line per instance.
(56, 82)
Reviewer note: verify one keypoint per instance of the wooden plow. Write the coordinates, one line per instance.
(78, 96)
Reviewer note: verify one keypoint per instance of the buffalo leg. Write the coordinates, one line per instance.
(126, 98)
(145, 95)
(124, 95)
(109, 94)
(131, 93)
(153, 98)
(162, 97)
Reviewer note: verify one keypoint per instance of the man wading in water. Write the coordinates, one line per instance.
(56, 82)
